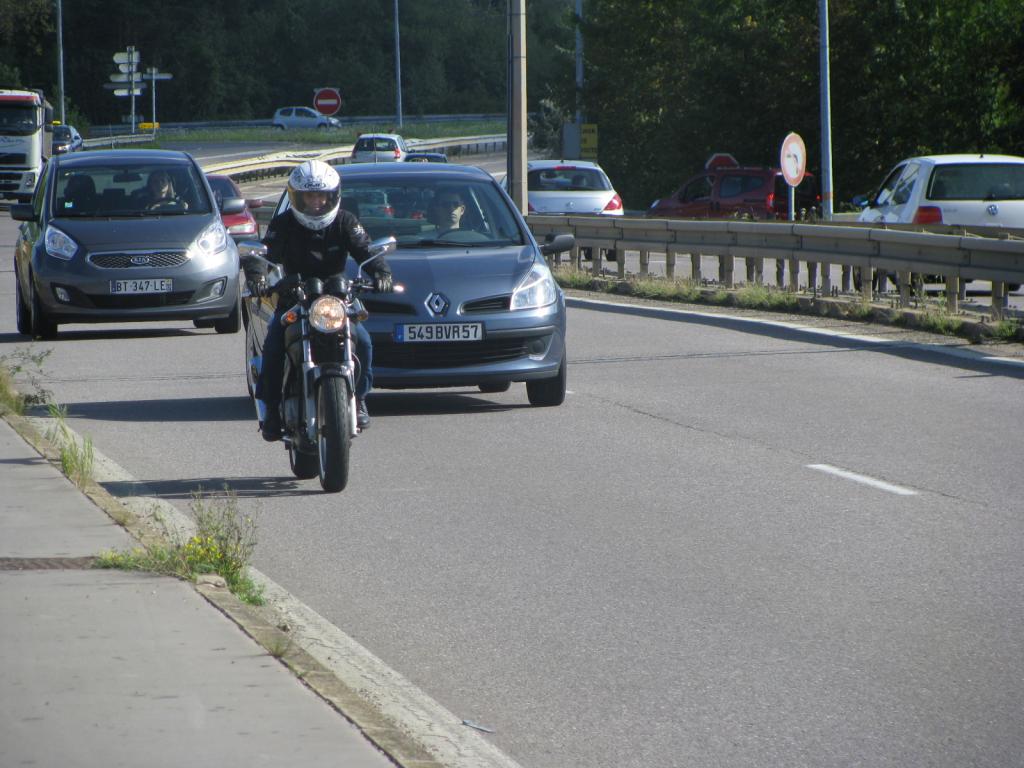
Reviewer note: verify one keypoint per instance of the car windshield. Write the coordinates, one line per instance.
(17, 120)
(977, 181)
(424, 212)
(567, 178)
(61, 132)
(128, 190)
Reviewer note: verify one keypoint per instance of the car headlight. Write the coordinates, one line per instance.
(211, 245)
(327, 314)
(59, 244)
(537, 289)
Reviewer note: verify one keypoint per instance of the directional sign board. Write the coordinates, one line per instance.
(121, 77)
(327, 101)
(793, 159)
(128, 91)
(125, 84)
(129, 57)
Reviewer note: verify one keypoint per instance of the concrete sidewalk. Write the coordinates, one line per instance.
(108, 668)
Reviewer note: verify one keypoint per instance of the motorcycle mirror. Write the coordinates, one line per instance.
(252, 252)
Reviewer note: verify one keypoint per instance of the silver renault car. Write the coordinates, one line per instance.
(480, 308)
(121, 236)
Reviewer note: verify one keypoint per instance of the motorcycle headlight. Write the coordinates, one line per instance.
(327, 314)
(211, 245)
(59, 244)
(537, 289)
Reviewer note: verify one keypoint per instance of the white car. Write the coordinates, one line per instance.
(570, 187)
(958, 190)
(379, 148)
(303, 117)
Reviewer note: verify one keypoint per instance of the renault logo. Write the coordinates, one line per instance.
(437, 303)
(140, 260)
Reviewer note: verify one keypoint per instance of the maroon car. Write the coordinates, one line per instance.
(241, 226)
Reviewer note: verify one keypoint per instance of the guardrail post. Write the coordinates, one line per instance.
(726, 264)
(998, 300)
(670, 264)
(826, 279)
(953, 294)
(883, 281)
(695, 267)
(645, 261)
(846, 278)
(794, 275)
(812, 276)
(780, 273)
(755, 270)
(620, 261)
(595, 260)
(904, 281)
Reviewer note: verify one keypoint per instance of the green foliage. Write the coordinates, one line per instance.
(766, 297)
(28, 365)
(223, 544)
(1007, 330)
(76, 458)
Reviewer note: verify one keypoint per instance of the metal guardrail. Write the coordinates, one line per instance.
(349, 120)
(281, 163)
(956, 257)
(119, 138)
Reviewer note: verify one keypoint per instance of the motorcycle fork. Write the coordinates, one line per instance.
(310, 377)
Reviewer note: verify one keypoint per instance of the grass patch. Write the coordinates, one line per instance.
(933, 321)
(28, 365)
(1006, 330)
(222, 544)
(668, 290)
(76, 458)
(753, 296)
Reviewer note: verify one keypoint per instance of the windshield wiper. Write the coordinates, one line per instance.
(443, 243)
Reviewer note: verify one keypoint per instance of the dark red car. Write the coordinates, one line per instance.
(727, 190)
(241, 226)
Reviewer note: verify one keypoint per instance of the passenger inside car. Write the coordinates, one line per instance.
(79, 194)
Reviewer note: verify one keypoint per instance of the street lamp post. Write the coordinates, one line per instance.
(826, 116)
(398, 72)
(60, 60)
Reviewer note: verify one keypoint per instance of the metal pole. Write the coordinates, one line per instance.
(398, 72)
(826, 117)
(517, 149)
(579, 64)
(152, 84)
(131, 81)
(60, 59)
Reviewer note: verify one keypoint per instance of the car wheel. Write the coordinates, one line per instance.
(40, 326)
(491, 389)
(24, 312)
(549, 392)
(230, 324)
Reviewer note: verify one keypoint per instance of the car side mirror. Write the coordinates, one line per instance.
(23, 212)
(558, 244)
(231, 205)
(254, 202)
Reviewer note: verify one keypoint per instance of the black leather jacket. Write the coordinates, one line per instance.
(320, 253)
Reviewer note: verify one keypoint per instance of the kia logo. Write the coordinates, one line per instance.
(140, 261)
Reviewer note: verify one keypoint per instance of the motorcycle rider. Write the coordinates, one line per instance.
(313, 238)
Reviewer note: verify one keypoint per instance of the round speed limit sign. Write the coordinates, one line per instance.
(793, 159)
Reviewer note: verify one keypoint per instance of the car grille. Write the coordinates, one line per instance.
(12, 158)
(158, 259)
(388, 354)
(140, 301)
(493, 304)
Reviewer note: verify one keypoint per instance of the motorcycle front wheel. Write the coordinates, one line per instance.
(334, 440)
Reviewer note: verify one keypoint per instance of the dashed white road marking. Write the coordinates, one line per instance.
(864, 479)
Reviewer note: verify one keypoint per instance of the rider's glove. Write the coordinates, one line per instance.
(383, 282)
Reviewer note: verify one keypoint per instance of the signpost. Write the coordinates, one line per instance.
(127, 62)
(588, 141)
(153, 75)
(327, 101)
(793, 161)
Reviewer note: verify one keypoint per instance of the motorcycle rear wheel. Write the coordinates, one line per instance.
(304, 465)
(334, 439)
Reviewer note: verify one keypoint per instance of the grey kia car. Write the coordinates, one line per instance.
(480, 308)
(122, 236)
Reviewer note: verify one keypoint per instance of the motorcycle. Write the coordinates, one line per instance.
(318, 400)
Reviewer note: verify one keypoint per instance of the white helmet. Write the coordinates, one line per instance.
(314, 191)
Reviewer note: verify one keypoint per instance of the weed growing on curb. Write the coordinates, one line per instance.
(26, 363)
(223, 544)
(76, 459)
(752, 296)
(1006, 330)
(936, 321)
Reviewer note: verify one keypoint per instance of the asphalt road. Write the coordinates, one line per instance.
(668, 570)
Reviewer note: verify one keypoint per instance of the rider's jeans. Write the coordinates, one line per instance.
(268, 385)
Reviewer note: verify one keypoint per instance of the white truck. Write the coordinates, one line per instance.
(26, 135)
